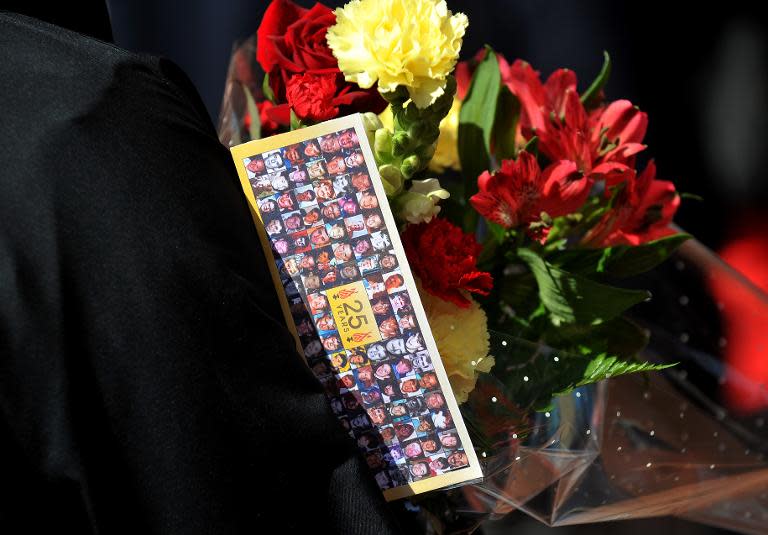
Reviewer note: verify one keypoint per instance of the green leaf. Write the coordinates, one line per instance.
(534, 373)
(627, 260)
(267, 89)
(571, 298)
(590, 98)
(254, 131)
(532, 146)
(476, 118)
(505, 124)
(295, 121)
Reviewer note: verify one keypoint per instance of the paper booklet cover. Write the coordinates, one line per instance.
(351, 302)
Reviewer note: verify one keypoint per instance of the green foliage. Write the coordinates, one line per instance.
(571, 298)
(505, 125)
(629, 260)
(591, 97)
(267, 89)
(254, 129)
(476, 121)
(534, 373)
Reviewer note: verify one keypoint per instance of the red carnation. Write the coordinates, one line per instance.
(444, 257)
(520, 191)
(291, 41)
(311, 96)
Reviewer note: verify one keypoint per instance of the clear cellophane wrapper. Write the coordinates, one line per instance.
(690, 441)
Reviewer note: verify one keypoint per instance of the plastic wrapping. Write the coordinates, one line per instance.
(690, 441)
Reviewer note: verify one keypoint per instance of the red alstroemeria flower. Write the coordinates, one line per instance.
(520, 191)
(444, 257)
(642, 212)
(603, 143)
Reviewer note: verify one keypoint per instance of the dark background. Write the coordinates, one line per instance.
(699, 72)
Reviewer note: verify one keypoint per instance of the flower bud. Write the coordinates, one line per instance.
(410, 166)
(391, 178)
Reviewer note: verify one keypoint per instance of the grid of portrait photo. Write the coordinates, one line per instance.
(326, 229)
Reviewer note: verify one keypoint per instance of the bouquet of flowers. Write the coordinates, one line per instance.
(526, 219)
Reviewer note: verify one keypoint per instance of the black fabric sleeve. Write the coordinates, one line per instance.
(147, 381)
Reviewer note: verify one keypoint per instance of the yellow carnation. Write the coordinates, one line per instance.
(447, 151)
(462, 340)
(409, 43)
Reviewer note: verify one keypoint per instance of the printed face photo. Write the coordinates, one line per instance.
(371, 397)
(357, 358)
(279, 182)
(338, 360)
(458, 459)
(394, 282)
(377, 352)
(355, 159)
(311, 149)
(325, 323)
(403, 367)
(388, 328)
(361, 181)
(442, 419)
(380, 241)
(419, 470)
(273, 160)
(261, 186)
(293, 222)
(409, 386)
(316, 170)
(311, 216)
(413, 450)
(294, 154)
(355, 226)
(378, 414)
(368, 200)
(268, 206)
(324, 190)
(349, 272)
(381, 307)
(274, 226)
(305, 196)
(429, 381)
(328, 232)
(329, 143)
(396, 347)
(348, 139)
(373, 221)
(331, 211)
(368, 264)
(285, 202)
(362, 246)
(398, 410)
(319, 237)
(336, 231)
(343, 252)
(317, 302)
(256, 166)
(336, 166)
(281, 246)
(435, 400)
(298, 176)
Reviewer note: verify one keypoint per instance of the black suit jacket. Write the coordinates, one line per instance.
(147, 381)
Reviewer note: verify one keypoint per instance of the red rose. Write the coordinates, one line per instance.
(444, 257)
(290, 41)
